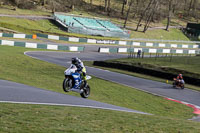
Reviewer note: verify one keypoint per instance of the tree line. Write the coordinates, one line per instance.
(143, 12)
(147, 11)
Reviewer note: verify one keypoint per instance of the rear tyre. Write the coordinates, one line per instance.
(182, 86)
(86, 91)
(67, 84)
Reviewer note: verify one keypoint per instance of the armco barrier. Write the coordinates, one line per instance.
(42, 46)
(152, 72)
(148, 50)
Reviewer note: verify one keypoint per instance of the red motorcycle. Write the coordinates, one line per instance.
(178, 83)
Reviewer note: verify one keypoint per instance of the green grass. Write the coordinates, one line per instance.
(15, 66)
(9, 10)
(19, 118)
(40, 26)
(173, 34)
(29, 26)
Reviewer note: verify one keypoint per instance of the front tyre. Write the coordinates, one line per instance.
(174, 85)
(67, 83)
(86, 91)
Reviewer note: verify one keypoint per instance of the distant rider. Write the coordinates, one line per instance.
(179, 79)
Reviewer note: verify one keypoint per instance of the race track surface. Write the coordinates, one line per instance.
(158, 88)
(11, 92)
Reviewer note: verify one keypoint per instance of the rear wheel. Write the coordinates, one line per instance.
(67, 84)
(182, 86)
(86, 91)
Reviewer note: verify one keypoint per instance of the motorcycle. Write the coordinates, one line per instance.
(178, 83)
(74, 82)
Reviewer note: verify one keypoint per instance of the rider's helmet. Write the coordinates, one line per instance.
(75, 61)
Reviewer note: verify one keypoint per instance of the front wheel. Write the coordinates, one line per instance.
(67, 84)
(86, 91)
(174, 85)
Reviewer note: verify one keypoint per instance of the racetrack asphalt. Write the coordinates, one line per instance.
(19, 93)
(11, 92)
(153, 87)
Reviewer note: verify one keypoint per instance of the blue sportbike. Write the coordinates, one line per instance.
(74, 82)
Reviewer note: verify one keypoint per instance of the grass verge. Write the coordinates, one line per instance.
(36, 118)
(17, 67)
(29, 26)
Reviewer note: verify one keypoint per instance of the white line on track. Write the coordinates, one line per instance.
(127, 86)
(71, 105)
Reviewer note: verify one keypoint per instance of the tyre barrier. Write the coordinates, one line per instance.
(194, 80)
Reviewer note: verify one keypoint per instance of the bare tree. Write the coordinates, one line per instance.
(106, 5)
(16, 2)
(190, 7)
(43, 2)
(136, 8)
(128, 13)
(123, 6)
(194, 8)
(144, 13)
(149, 16)
(109, 3)
(169, 14)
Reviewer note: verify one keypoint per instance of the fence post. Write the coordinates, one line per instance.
(171, 57)
(142, 55)
(156, 57)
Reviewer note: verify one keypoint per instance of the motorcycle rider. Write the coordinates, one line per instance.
(80, 68)
(179, 79)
